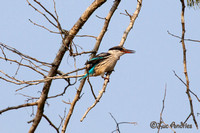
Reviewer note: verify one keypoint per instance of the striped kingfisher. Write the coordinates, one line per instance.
(104, 62)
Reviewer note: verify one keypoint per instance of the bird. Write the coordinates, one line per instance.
(105, 62)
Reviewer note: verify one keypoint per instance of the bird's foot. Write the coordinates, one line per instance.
(109, 72)
(106, 78)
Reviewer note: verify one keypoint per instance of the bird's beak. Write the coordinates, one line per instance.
(128, 51)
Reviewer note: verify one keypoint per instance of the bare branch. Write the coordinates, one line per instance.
(62, 119)
(36, 82)
(50, 123)
(87, 52)
(23, 55)
(118, 123)
(28, 66)
(58, 23)
(61, 94)
(161, 119)
(186, 86)
(126, 14)
(42, 12)
(74, 71)
(163, 106)
(188, 117)
(163, 102)
(17, 107)
(98, 97)
(132, 21)
(185, 62)
(105, 26)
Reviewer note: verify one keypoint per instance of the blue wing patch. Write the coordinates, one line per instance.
(96, 58)
(91, 71)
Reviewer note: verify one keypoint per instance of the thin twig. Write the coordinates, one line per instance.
(100, 17)
(35, 82)
(18, 67)
(58, 23)
(163, 101)
(31, 97)
(86, 36)
(42, 12)
(161, 119)
(61, 94)
(44, 27)
(195, 95)
(91, 88)
(128, 14)
(186, 86)
(79, 69)
(188, 117)
(50, 123)
(28, 66)
(62, 119)
(22, 87)
(179, 78)
(66, 102)
(118, 123)
(47, 11)
(26, 56)
(3, 52)
(192, 40)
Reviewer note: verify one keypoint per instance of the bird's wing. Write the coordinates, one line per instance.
(93, 62)
(98, 58)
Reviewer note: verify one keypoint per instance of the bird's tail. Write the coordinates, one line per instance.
(91, 71)
(83, 77)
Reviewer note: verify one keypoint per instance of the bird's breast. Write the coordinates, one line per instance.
(105, 66)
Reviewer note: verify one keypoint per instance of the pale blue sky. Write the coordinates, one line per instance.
(136, 88)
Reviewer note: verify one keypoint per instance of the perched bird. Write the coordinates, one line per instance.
(105, 62)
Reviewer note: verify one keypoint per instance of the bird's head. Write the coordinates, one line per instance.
(119, 50)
